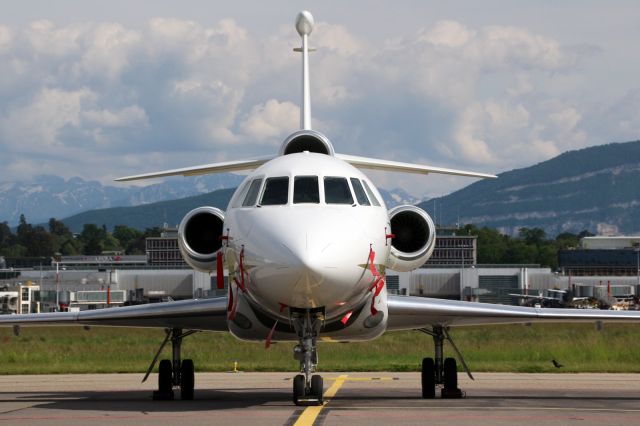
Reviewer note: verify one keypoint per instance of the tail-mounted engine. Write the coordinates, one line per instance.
(199, 237)
(414, 238)
(306, 140)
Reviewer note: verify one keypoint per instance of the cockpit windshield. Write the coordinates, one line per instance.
(336, 191)
(305, 190)
(276, 191)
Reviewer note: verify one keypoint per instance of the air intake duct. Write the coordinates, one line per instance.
(199, 237)
(414, 238)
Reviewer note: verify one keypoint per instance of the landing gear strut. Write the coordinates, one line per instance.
(441, 371)
(175, 372)
(307, 388)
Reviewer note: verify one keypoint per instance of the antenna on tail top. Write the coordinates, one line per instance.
(304, 26)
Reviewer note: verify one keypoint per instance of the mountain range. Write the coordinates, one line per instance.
(49, 196)
(595, 189)
(76, 199)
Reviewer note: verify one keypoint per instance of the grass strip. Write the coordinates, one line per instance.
(503, 348)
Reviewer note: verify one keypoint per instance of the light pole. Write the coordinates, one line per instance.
(637, 247)
(461, 245)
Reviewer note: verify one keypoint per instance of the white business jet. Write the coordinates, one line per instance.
(306, 240)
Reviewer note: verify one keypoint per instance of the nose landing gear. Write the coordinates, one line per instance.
(307, 387)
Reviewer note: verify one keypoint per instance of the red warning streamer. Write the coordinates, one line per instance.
(219, 272)
(378, 282)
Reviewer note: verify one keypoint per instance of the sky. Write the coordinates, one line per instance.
(107, 89)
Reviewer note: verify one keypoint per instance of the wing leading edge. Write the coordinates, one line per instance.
(396, 166)
(204, 314)
(410, 313)
(227, 166)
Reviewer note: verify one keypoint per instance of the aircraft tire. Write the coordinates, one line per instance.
(450, 374)
(428, 378)
(317, 387)
(187, 380)
(298, 388)
(165, 386)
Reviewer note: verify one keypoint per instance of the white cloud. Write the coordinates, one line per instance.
(126, 117)
(5, 39)
(170, 91)
(271, 121)
(448, 34)
(38, 124)
(109, 49)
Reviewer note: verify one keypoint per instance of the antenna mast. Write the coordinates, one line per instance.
(304, 26)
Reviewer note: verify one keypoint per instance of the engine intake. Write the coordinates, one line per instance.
(414, 240)
(307, 140)
(199, 237)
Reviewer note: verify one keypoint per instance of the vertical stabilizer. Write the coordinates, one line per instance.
(304, 26)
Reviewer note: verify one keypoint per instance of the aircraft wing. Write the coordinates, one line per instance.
(227, 166)
(195, 314)
(410, 313)
(395, 166)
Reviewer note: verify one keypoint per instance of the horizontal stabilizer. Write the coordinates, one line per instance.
(395, 166)
(227, 166)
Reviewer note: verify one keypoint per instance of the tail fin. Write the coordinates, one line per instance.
(304, 26)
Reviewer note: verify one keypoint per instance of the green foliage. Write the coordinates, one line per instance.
(531, 246)
(36, 241)
(579, 347)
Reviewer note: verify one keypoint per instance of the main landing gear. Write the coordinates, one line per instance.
(175, 372)
(307, 388)
(439, 372)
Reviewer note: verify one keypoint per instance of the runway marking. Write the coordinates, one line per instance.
(310, 414)
(366, 379)
(482, 408)
(355, 379)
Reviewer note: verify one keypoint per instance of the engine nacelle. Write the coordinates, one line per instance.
(306, 140)
(415, 238)
(199, 237)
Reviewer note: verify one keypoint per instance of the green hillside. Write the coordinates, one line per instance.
(149, 215)
(594, 189)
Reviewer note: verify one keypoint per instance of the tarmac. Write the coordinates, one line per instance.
(350, 399)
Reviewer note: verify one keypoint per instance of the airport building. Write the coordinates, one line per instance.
(602, 256)
(92, 282)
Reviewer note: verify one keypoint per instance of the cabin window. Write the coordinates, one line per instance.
(336, 191)
(305, 190)
(359, 191)
(372, 197)
(252, 194)
(276, 191)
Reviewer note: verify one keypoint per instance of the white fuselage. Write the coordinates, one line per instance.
(309, 248)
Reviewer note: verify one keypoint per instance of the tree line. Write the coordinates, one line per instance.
(530, 246)
(40, 241)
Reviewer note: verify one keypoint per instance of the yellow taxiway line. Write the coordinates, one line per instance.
(310, 414)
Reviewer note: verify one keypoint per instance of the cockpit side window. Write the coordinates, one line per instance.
(359, 191)
(276, 191)
(239, 196)
(336, 191)
(305, 190)
(372, 197)
(252, 194)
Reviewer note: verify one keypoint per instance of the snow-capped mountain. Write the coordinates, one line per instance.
(49, 196)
